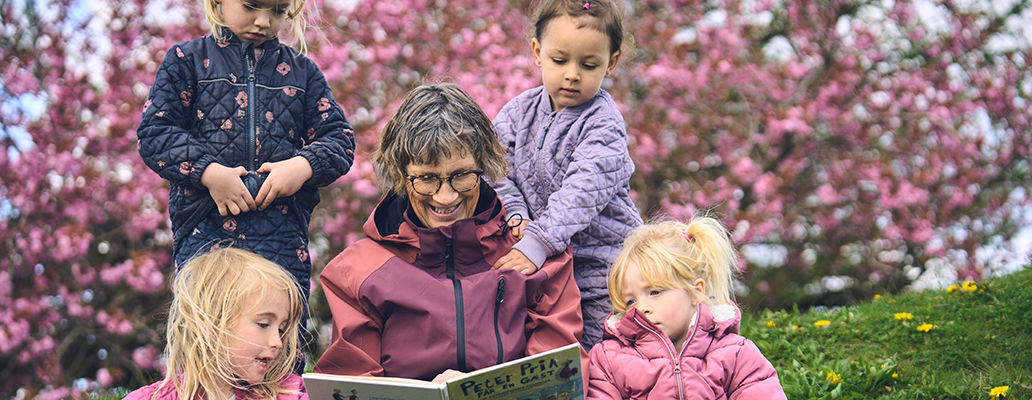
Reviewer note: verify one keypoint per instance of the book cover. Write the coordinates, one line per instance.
(552, 375)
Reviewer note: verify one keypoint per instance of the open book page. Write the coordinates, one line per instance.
(552, 375)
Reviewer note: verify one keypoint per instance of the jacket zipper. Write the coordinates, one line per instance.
(676, 361)
(544, 134)
(460, 318)
(252, 136)
(499, 298)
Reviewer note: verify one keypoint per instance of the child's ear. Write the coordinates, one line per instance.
(700, 288)
(612, 62)
(535, 48)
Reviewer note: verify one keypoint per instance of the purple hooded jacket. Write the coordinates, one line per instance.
(570, 173)
(638, 361)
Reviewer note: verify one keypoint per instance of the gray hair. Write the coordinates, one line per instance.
(433, 121)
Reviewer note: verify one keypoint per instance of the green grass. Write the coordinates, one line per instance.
(981, 339)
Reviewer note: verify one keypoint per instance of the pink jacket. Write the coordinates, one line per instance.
(293, 382)
(638, 361)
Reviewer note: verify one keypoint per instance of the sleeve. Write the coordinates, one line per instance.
(354, 347)
(754, 377)
(510, 194)
(600, 382)
(164, 142)
(600, 166)
(555, 319)
(330, 141)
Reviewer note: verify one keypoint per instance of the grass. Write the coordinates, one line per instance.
(972, 339)
(979, 338)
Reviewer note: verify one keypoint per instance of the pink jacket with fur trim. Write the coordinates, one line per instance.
(638, 361)
(168, 392)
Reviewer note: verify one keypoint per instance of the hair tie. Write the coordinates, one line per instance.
(685, 235)
(586, 5)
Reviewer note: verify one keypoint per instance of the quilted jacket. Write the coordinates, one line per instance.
(208, 104)
(409, 301)
(168, 392)
(570, 173)
(638, 361)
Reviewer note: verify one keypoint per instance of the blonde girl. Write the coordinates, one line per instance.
(567, 144)
(232, 331)
(672, 294)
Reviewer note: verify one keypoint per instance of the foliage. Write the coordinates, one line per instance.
(869, 351)
(850, 138)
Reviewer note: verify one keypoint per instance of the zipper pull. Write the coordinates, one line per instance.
(447, 248)
(500, 296)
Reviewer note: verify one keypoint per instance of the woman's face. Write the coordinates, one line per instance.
(447, 205)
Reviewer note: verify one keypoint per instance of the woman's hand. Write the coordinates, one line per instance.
(226, 188)
(285, 178)
(446, 375)
(517, 261)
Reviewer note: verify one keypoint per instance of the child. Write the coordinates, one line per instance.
(232, 331)
(567, 144)
(246, 131)
(674, 328)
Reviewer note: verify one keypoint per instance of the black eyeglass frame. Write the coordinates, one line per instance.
(440, 181)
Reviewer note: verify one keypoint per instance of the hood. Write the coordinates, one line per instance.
(716, 321)
(394, 225)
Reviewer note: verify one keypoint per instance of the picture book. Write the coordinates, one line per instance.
(552, 375)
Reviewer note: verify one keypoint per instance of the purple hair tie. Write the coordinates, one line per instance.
(586, 5)
(685, 235)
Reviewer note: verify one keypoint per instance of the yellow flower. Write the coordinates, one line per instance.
(951, 288)
(904, 315)
(999, 391)
(771, 324)
(821, 323)
(926, 327)
(833, 378)
(877, 296)
(969, 286)
(794, 327)
(895, 375)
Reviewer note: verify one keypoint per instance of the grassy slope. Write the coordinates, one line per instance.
(982, 339)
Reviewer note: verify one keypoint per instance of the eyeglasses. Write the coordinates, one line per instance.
(429, 185)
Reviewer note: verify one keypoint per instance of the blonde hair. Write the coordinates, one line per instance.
(209, 296)
(297, 14)
(672, 254)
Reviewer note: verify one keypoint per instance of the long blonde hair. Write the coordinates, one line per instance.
(672, 254)
(210, 294)
(297, 14)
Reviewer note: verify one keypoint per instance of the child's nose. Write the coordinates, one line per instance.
(263, 19)
(572, 73)
(275, 342)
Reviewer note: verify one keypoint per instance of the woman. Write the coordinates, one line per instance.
(418, 296)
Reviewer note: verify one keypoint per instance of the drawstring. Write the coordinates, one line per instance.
(505, 222)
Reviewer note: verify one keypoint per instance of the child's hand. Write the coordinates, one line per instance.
(517, 230)
(446, 375)
(517, 261)
(227, 189)
(285, 178)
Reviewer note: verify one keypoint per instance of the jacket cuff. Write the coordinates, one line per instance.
(198, 170)
(534, 249)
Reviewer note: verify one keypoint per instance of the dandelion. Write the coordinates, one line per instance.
(833, 378)
(969, 286)
(821, 323)
(895, 375)
(877, 296)
(771, 324)
(904, 315)
(951, 288)
(926, 327)
(999, 391)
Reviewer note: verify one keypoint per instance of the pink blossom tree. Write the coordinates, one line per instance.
(841, 141)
